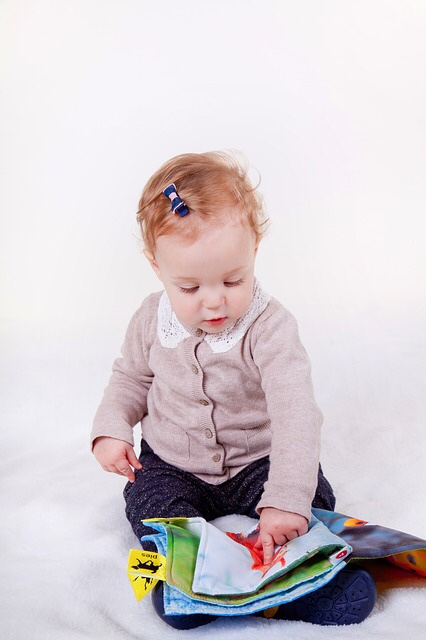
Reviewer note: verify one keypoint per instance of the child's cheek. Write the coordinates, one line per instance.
(185, 308)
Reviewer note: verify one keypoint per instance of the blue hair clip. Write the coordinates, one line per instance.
(178, 205)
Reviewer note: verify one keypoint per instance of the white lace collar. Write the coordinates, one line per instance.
(171, 332)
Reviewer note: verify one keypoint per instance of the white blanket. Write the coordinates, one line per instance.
(64, 535)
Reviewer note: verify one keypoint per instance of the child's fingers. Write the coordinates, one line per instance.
(121, 469)
(126, 471)
(291, 535)
(119, 457)
(266, 542)
(131, 456)
(268, 546)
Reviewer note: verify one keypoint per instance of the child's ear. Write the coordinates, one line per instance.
(151, 259)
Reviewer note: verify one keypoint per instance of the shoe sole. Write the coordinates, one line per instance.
(348, 599)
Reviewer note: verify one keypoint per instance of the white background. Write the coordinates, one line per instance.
(327, 99)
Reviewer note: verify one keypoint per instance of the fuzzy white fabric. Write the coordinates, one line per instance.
(64, 535)
(170, 331)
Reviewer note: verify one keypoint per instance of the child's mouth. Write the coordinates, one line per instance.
(216, 321)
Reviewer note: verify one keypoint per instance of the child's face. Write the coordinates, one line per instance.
(209, 281)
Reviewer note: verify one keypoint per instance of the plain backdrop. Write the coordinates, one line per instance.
(327, 99)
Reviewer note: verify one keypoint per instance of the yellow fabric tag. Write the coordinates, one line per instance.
(145, 569)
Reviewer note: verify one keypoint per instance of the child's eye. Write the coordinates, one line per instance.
(233, 284)
(189, 290)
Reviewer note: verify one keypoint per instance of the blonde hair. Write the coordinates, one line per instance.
(206, 182)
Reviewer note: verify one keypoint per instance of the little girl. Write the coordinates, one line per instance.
(214, 370)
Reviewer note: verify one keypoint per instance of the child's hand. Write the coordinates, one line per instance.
(116, 456)
(276, 528)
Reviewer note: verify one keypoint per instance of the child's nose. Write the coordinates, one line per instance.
(214, 300)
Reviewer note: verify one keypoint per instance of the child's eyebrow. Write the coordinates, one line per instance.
(183, 279)
(234, 272)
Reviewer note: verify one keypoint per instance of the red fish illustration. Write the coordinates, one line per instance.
(257, 554)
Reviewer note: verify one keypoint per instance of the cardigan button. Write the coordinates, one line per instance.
(208, 433)
(203, 402)
(199, 332)
(216, 457)
(194, 368)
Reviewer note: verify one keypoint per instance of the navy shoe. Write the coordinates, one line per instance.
(183, 622)
(347, 599)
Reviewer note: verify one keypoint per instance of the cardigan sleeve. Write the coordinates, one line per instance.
(295, 417)
(124, 402)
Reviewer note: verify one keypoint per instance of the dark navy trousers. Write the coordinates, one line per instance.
(163, 491)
